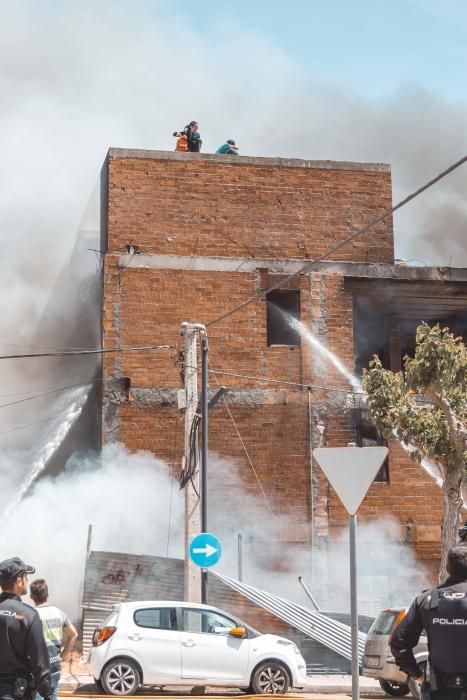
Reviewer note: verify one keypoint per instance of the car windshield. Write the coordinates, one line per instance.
(384, 623)
(250, 630)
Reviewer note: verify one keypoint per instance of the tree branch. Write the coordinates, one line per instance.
(456, 427)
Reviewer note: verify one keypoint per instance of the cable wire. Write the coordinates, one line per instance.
(100, 351)
(283, 381)
(37, 422)
(245, 450)
(264, 380)
(172, 481)
(47, 393)
(192, 461)
(310, 265)
(41, 347)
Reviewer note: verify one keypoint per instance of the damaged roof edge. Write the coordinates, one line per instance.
(144, 154)
(402, 272)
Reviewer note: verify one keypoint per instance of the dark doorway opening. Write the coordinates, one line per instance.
(282, 306)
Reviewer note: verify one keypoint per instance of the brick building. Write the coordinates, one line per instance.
(207, 232)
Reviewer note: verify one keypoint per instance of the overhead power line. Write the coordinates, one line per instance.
(283, 381)
(311, 264)
(32, 393)
(41, 347)
(244, 447)
(265, 380)
(38, 422)
(48, 393)
(87, 352)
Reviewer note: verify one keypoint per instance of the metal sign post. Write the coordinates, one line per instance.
(355, 666)
(350, 471)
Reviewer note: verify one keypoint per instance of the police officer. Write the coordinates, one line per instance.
(442, 613)
(24, 659)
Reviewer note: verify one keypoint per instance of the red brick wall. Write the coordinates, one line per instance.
(207, 207)
(253, 208)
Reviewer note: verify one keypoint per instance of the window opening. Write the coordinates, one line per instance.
(280, 306)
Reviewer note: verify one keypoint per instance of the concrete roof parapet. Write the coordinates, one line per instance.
(144, 154)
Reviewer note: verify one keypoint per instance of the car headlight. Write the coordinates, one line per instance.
(286, 643)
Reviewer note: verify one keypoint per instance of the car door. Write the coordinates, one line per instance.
(209, 653)
(155, 641)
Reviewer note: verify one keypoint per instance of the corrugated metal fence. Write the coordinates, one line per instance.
(317, 625)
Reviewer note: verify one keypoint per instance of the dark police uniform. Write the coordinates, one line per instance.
(24, 659)
(442, 613)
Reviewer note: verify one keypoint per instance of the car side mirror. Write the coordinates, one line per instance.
(238, 632)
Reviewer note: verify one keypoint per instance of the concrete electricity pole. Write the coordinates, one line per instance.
(192, 487)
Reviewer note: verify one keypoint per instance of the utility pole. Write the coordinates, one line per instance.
(194, 472)
(192, 501)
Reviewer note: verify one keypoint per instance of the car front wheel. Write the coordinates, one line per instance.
(121, 677)
(271, 677)
(397, 690)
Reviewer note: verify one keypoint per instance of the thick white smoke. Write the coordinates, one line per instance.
(127, 498)
(387, 569)
(136, 507)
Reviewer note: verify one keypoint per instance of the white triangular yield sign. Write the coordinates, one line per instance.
(350, 471)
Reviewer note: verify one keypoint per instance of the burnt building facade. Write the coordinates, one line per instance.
(187, 237)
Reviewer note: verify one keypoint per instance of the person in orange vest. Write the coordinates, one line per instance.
(189, 139)
(182, 141)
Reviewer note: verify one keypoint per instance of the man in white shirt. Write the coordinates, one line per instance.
(59, 633)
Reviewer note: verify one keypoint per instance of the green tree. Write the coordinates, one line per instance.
(425, 406)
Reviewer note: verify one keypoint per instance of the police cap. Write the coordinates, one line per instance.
(14, 567)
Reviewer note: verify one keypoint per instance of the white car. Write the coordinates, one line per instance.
(159, 643)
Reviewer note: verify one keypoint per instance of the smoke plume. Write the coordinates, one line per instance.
(136, 507)
(128, 499)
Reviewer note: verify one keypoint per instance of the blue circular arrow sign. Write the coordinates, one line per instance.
(205, 550)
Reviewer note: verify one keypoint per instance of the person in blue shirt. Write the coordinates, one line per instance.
(228, 148)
